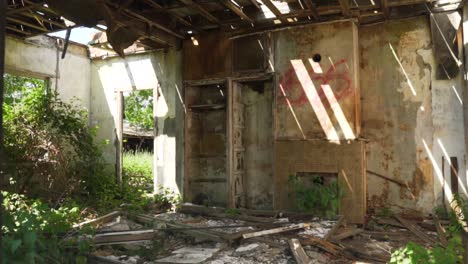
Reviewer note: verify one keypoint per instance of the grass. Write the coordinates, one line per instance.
(138, 167)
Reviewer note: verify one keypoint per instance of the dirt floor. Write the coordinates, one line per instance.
(212, 236)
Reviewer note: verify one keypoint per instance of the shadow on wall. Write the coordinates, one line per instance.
(299, 92)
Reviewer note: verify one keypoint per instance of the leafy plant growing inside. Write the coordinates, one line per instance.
(317, 198)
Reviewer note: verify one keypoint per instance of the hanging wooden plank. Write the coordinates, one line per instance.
(298, 252)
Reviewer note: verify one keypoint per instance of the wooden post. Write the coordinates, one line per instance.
(119, 135)
(155, 138)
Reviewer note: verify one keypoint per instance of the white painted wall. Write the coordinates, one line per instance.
(138, 72)
(40, 57)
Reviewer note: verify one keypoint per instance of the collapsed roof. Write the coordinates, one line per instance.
(165, 23)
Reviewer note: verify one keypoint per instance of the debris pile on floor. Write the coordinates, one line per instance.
(197, 234)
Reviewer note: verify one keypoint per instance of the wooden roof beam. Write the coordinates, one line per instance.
(255, 3)
(43, 19)
(385, 8)
(202, 11)
(236, 10)
(24, 23)
(345, 9)
(181, 20)
(274, 10)
(146, 20)
(26, 33)
(309, 5)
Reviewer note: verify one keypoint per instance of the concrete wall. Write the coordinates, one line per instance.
(40, 57)
(142, 71)
(411, 119)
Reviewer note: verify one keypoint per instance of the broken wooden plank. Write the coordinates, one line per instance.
(298, 252)
(361, 254)
(208, 235)
(388, 221)
(100, 220)
(440, 231)
(276, 230)
(415, 229)
(124, 237)
(220, 213)
(321, 244)
(347, 233)
(337, 225)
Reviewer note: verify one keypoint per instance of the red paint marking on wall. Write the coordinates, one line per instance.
(337, 74)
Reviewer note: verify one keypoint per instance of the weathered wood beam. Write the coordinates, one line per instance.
(43, 19)
(255, 3)
(172, 13)
(24, 23)
(385, 8)
(298, 252)
(146, 20)
(18, 30)
(236, 10)
(24, 8)
(344, 4)
(202, 11)
(274, 10)
(311, 7)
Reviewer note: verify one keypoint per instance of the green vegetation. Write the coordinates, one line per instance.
(56, 169)
(139, 108)
(320, 199)
(35, 233)
(453, 253)
(138, 168)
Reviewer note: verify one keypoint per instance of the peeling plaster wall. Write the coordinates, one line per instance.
(40, 57)
(142, 71)
(317, 112)
(408, 116)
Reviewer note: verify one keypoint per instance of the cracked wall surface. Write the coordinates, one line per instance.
(409, 117)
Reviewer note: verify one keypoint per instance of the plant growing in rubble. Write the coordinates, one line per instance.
(415, 253)
(323, 200)
(33, 232)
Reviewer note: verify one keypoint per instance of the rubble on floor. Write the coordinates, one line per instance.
(215, 237)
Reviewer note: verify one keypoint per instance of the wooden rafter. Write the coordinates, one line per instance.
(274, 10)
(157, 6)
(23, 9)
(344, 4)
(385, 8)
(147, 20)
(18, 30)
(309, 5)
(236, 10)
(43, 19)
(202, 11)
(25, 23)
(255, 3)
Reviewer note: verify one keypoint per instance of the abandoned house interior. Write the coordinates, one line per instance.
(260, 108)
